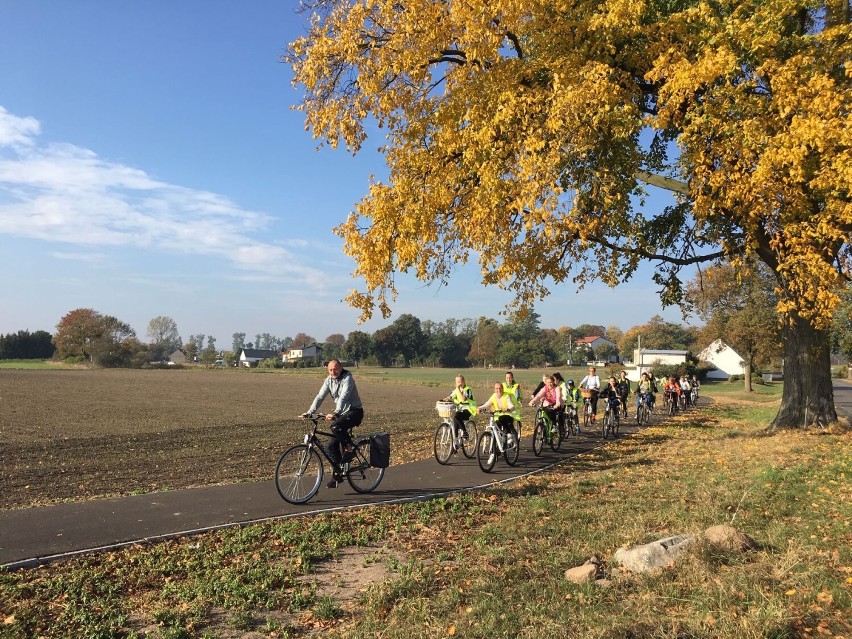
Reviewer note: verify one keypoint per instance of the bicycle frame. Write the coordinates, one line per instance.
(312, 440)
(549, 423)
(496, 433)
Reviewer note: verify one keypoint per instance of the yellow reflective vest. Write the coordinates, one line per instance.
(515, 391)
(464, 399)
(503, 405)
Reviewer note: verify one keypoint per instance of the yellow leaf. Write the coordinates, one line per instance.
(790, 592)
(8, 621)
(451, 630)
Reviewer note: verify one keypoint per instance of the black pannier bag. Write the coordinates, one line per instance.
(380, 450)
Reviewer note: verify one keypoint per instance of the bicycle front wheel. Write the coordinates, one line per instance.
(587, 416)
(605, 424)
(486, 451)
(363, 477)
(469, 443)
(298, 474)
(444, 443)
(555, 437)
(513, 448)
(538, 438)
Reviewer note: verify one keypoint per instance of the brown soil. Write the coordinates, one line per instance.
(79, 434)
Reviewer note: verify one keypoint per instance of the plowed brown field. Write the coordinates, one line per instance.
(80, 434)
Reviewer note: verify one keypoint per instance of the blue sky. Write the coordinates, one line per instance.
(150, 164)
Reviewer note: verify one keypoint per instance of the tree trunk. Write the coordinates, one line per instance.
(747, 377)
(808, 392)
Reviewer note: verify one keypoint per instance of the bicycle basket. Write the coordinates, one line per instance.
(445, 409)
(586, 392)
(380, 450)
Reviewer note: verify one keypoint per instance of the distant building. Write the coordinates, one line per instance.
(595, 342)
(726, 360)
(646, 358)
(306, 353)
(178, 357)
(251, 356)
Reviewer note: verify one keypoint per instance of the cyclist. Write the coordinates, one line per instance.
(623, 391)
(695, 384)
(671, 390)
(686, 389)
(654, 389)
(550, 398)
(612, 394)
(563, 390)
(503, 407)
(572, 398)
(644, 388)
(541, 384)
(348, 413)
(462, 397)
(593, 383)
(511, 387)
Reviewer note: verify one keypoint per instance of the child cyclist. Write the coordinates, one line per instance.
(612, 394)
(550, 398)
(511, 387)
(462, 397)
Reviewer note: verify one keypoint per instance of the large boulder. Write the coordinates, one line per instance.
(658, 554)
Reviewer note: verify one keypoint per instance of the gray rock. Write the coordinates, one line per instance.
(657, 554)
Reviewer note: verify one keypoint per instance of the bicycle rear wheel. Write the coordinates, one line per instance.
(361, 475)
(513, 448)
(298, 474)
(486, 451)
(538, 438)
(444, 443)
(469, 444)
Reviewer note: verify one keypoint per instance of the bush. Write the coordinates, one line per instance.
(270, 362)
(840, 372)
(667, 370)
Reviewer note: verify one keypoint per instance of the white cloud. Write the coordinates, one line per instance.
(67, 194)
(15, 131)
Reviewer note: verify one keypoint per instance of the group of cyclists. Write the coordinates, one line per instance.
(556, 396)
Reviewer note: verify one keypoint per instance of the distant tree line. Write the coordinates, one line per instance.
(26, 345)
(741, 312)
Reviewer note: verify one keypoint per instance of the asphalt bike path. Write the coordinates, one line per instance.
(33, 536)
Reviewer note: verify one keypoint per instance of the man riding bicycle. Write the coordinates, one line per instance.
(348, 413)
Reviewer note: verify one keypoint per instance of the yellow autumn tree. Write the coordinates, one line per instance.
(526, 133)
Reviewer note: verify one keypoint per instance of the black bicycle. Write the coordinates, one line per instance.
(300, 470)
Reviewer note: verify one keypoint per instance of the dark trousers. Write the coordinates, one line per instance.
(460, 418)
(341, 431)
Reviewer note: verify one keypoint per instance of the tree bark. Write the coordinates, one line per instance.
(808, 391)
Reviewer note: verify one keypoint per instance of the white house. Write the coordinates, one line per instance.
(646, 358)
(726, 360)
(300, 354)
(251, 356)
